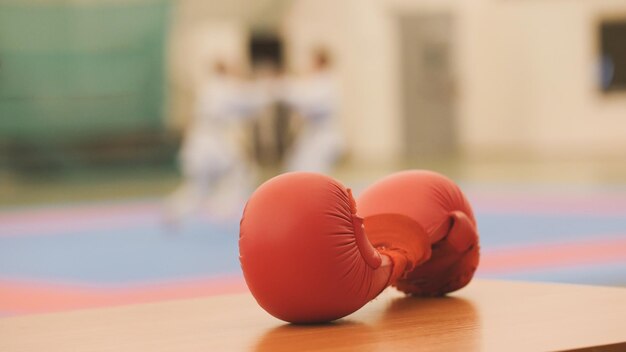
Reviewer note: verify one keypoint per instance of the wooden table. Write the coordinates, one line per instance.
(485, 316)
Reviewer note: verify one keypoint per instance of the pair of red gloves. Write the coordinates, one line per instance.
(311, 253)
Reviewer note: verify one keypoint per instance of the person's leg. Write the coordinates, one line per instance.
(316, 151)
(232, 189)
(190, 195)
(187, 199)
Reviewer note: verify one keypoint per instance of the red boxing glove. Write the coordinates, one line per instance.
(304, 254)
(307, 257)
(442, 211)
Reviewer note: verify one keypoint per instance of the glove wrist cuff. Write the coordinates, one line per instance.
(401, 238)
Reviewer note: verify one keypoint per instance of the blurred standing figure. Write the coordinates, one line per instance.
(214, 167)
(315, 99)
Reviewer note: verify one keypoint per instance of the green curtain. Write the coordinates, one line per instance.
(74, 71)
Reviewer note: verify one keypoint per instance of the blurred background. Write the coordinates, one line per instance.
(132, 131)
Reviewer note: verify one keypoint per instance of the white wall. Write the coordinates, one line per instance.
(525, 68)
(531, 81)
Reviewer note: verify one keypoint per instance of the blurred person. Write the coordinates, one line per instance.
(215, 170)
(266, 127)
(314, 97)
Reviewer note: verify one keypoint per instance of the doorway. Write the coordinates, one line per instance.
(428, 87)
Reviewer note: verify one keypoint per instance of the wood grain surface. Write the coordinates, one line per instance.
(485, 316)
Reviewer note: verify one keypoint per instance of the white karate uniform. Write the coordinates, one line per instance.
(213, 162)
(320, 143)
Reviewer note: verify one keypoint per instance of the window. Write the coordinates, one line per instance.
(613, 55)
